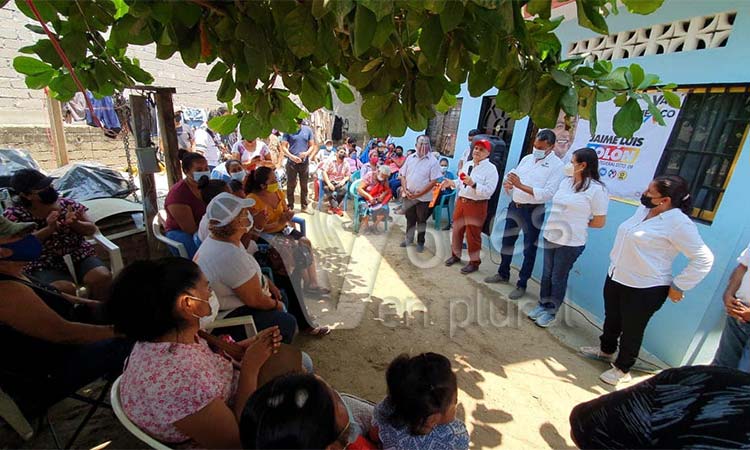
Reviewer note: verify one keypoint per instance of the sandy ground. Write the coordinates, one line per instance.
(517, 382)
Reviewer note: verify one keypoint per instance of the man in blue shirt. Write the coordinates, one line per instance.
(298, 147)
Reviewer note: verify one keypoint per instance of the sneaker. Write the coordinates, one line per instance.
(495, 279)
(596, 353)
(420, 248)
(517, 293)
(615, 376)
(536, 312)
(404, 243)
(545, 320)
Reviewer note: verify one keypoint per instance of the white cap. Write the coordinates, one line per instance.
(225, 207)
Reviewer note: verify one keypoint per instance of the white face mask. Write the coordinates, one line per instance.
(198, 175)
(239, 176)
(213, 302)
(443, 169)
(569, 170)
(539, 153)
(252, 222)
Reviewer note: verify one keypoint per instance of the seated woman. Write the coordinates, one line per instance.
(420, 409)
(184, 205)
(253, 153)
(198, 396)
(229, 170)
(261, 186)
(299, 411)
(354, 163)
(447, 175)
(62, 226)
(50, 346)
(372, 164)
(376, 193)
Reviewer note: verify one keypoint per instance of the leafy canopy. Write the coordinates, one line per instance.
(407, 58)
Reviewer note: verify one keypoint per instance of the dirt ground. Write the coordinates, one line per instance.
(517, 382)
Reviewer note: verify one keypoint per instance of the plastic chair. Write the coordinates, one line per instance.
(156, 226)
(321, 191)
(356, 199)
(446, 201)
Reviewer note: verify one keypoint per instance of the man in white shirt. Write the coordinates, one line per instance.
(467, 156)
(735, 339)
(532, 183)
(207, 144)
(476, 183)
(419, 175)
(185, 137)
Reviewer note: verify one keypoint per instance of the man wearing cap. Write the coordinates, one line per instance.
(299, 147)
(532, 183)
(476, 183)
(467, 156)
(62, 227)
(12, 232)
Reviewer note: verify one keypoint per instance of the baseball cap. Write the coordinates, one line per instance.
(27, 180)
(225, 207)
(483, 143)
(9, 228)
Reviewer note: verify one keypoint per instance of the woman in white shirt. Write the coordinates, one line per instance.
(579, 203)
(639, 278)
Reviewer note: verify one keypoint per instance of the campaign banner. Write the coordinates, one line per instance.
(627, 165)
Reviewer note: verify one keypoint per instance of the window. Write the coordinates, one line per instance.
(495, 121)
(443, 128)
(705, 144)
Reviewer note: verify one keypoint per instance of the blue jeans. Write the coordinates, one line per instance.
(558, 260)
(528, 220)
(394, 183)
(263, 319)
(185, 239)
(735, 340)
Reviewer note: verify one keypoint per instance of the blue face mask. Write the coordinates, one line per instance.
(239, 176)
(26, 249)
(198, 175)
(539, 153)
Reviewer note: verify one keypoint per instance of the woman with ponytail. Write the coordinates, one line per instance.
(639, 279)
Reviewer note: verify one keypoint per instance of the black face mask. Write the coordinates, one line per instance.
(399, 153)
(48, 196)
(647, 201)
(341, 156)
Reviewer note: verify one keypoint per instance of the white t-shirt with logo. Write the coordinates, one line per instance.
(743, 293)
(571, 211)
(227, 267)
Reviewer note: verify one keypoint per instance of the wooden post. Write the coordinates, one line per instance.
(58, 133)
(142, 133)
(170, 147)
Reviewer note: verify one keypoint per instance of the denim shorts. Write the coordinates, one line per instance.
(82, 267)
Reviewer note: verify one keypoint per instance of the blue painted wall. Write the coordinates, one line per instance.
(688, 332)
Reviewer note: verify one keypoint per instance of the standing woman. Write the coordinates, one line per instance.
(184, 204)
(639, 278)
(580, 203)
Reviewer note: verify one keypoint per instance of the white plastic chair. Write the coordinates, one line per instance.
(11, 414)
(159, 220)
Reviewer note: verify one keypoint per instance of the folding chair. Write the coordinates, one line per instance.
(157, 226)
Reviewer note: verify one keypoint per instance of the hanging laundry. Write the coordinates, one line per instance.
(74, 110)
(337, 132)
(104, 109)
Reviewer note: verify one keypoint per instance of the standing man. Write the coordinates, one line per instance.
(298, 147)
(419, 175)
(476, 183)
(532, 183)
(736, 335)
(185, 139)
(467, 156)
(208, 144)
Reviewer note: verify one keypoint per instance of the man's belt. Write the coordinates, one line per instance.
(469, 200)
(527, 205)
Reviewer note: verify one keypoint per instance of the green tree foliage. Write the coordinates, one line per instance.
(407, 58)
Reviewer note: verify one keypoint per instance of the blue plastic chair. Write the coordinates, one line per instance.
(321, 191)
(446, 201)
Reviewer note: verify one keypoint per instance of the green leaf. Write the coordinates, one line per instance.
(481, 78)
(75, 45)
(314, 91)
(190, 50)
(562, 78)
(649, 80)
(383, 31)
(217, 72)
(380, 8)
(546, 106)
(300, 31)
(343, 92)
(373, 106)
(227, 90)
(122, 8)
(63, 87)
(447, 101)
(672, 99)
(617, 79)
(458, 63)
(507, 101)
(39, 81)
(320, 8)
(452, 16)
(543, 8)
(30, 66)
(642, 6)
(137, 73)
(628, 119)
(252, 127)
(364, 30)
(655, 112)
(375, 63)
(35, 28)
(620, 100)
(431, 39)
(590, 17)
(637, 75)
(45, 8)
(162, 11)
(569, 102)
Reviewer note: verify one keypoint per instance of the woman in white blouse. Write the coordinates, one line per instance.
(639, 278)
(579, 203)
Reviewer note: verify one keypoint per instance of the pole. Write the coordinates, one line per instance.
(142, 133)
(165, 114)
(58, 133)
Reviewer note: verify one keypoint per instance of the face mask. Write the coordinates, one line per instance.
(399, 154)
(353, 430)
(341, 156)
(198, 175)
(26, 249)
(213, 303)
(239, 176)
(539, 153)
(273, 187)
(647, 201)
(374, 160)
(443, 169)
(48, 196)
(569, 170)
(252, 222)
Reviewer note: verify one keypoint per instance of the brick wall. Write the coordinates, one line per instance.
(24, 115)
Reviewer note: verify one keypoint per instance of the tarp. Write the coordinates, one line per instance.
(89, 180)
(11, 160)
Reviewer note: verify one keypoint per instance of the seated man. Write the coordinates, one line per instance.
(336, 175)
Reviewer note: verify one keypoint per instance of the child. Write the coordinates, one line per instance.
(420, 409)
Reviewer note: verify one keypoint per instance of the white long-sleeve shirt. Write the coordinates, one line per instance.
(484, 175)
(644, 251)
(543, 176)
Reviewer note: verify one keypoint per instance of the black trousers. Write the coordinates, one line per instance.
(416, 213)
(627, 311)
(294, 170)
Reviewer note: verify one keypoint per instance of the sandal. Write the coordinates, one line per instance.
(318, 332)
(317, 290)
